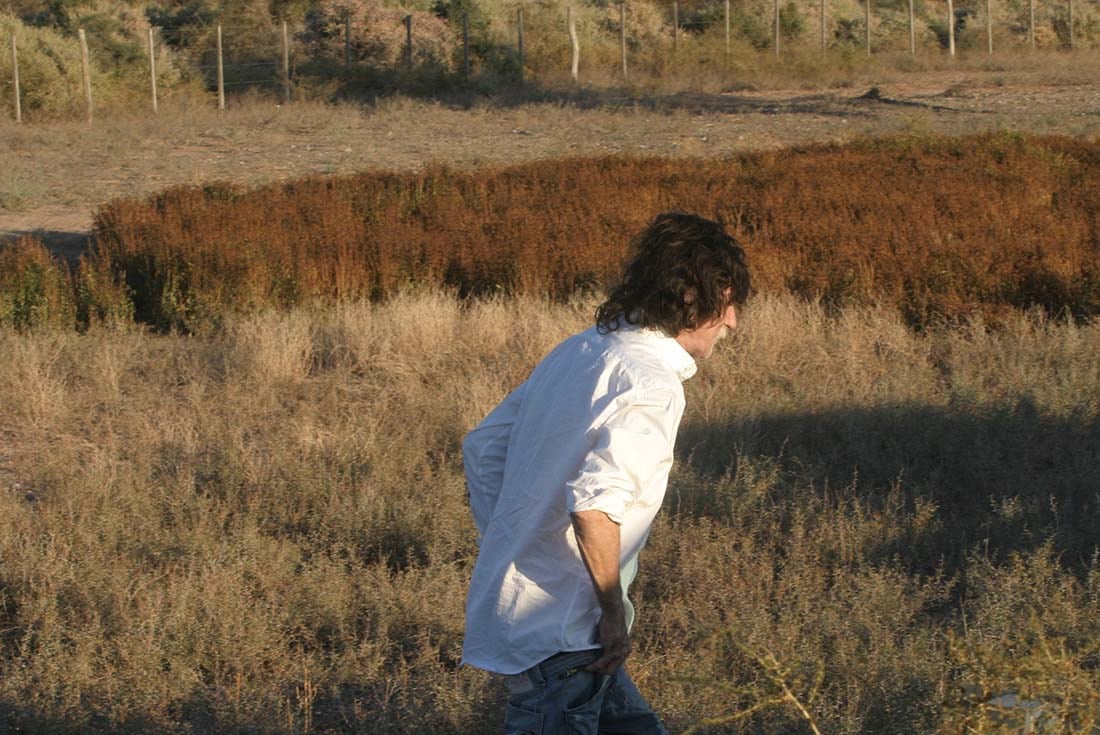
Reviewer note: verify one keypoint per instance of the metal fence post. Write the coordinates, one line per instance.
(408, 43)
(867, 24)
(776, 4)
(466, 46)
(286, 64)
(675, 25)
(727, 27)
(572, 23)
(15, 80)
(951, 27)
(912, 31)
(622, 35)
(86, 72)
(153, 68)
(519, 23)
(221, 72)
(347, 39)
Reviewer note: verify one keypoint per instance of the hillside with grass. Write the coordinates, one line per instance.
(340, 50)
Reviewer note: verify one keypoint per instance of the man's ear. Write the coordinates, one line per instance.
(690, 295)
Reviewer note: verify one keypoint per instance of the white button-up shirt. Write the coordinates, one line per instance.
(592, 428)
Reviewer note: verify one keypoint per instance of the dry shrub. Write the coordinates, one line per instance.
(378, 35)
(939, 228)
(1027, 655)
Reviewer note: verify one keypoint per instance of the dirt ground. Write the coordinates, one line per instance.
(55, 175)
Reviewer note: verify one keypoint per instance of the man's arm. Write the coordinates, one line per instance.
(599, 543)
(630, 451)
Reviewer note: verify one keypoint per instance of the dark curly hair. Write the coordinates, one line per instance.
(684, 272)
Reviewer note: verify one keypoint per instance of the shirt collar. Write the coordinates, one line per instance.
(672, 353)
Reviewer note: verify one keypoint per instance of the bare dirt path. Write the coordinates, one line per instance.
(56, 175)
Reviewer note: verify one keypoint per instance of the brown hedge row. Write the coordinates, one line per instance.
(941, 227)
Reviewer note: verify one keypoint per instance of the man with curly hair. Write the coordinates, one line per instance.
(566, 475)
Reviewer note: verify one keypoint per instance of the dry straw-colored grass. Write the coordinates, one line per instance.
(938, 227)
(264, 529)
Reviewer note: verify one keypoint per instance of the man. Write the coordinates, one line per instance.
(566, 475)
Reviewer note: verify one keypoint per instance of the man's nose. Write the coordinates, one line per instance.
(731, 317)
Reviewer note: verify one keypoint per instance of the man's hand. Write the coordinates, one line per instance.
(615, 641)
(598, 540)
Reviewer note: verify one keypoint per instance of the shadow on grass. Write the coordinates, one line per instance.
(64, 244)
(366, 85)
(1000, 479)
(16, 719)
(341, 710)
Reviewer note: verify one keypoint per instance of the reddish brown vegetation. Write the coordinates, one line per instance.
(939, 227)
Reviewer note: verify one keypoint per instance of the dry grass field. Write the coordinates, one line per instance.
(265, 530)
(260, 527)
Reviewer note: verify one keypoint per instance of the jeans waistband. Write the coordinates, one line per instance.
(560, 665)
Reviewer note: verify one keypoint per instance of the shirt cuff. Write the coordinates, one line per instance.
(611, 501)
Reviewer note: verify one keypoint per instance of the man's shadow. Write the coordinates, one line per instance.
(1005, 478)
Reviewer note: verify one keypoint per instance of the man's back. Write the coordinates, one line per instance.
(591, 429)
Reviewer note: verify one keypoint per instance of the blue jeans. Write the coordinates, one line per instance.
(558, 697)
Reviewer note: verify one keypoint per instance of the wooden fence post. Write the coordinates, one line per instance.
(622, 35)
(867, 24)
(824, 40)
(519, 23)
(221, 72)
(86, 72)
(776, 4)
(951, 27)
(572, 22)
(286, 64)
(408, 43)
(466, 46)
(912, 31)
(347, 39)
(153, 68)
(15, 80)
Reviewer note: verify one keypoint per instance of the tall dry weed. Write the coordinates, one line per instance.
(942, 228)
(36, 290)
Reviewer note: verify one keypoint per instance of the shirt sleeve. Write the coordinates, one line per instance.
(484, 452)
(632, 452)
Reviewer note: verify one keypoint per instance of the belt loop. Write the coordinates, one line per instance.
(536, 674)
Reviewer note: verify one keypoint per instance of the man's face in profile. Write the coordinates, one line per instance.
(700, 342)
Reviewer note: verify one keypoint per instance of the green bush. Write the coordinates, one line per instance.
(49, 69)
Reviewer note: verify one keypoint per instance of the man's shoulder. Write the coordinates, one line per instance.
(636, 358)
(631, 358)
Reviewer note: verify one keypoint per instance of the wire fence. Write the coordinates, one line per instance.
(236, 55)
